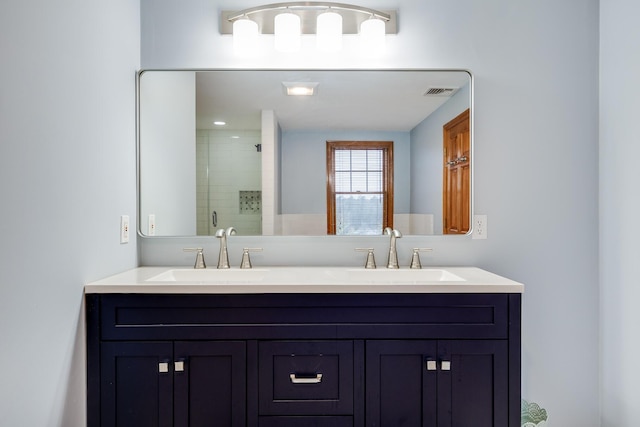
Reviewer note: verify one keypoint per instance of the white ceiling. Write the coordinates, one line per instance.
(345, 100)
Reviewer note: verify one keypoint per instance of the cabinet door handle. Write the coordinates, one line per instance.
(445, 365)
(432, 365)
(305, 380)
(178, 366)
(163, 367)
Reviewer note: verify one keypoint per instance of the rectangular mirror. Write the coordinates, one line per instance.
(256, 150)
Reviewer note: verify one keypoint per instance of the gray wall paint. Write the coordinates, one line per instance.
(67, 173)
(619, 207)
(535, 64)
(304, 168)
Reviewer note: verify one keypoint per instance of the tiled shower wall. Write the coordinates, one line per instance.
(228, 164)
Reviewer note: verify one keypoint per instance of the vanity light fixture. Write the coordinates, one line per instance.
(245, 36)
(287, 32)
(327, 20)
(372, 37)
(329, 31)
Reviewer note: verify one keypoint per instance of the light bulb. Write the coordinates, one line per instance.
(245, 36)
(329, 32)
(372, 36)
(287, 32)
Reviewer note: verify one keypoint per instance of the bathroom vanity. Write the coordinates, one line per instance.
(306, 347)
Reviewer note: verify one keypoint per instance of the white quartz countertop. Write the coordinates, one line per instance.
(263, 280)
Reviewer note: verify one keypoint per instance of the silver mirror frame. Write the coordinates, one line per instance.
(472, 183)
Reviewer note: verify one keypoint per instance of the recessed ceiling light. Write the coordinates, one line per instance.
(300, 88)
(235, 137)
(219, 123)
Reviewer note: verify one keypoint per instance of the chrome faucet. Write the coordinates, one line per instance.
(223, 256)
(392, 260)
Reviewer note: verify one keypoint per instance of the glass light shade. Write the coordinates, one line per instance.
(245, 36)
(287, 32)
(329, 32)
(372, 35)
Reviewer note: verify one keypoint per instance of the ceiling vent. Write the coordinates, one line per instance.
(440, 91)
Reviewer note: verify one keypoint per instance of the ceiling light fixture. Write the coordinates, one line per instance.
(327, 20)
(300, 88)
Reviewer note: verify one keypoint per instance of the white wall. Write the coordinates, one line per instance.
(535, 64)
(228, 164)
(169, 177)
(67, 173)
(619, 207)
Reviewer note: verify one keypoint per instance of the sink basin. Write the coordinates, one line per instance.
(306, 275)
(210, 275)
(424, 275)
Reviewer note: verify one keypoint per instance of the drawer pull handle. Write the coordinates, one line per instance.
(305, 380)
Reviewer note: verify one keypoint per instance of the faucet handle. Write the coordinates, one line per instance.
(371, 260)
(415, 258)
(246, 260)
(199, 257)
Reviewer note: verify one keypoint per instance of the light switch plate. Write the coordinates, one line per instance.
(124, 229)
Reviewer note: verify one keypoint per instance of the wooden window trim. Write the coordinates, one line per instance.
(387, 181)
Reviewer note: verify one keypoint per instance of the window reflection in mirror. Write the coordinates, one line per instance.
(359, 187)
(265, 170)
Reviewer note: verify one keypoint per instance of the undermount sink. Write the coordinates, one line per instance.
(423, 275)
(307, 275)
(210, 275)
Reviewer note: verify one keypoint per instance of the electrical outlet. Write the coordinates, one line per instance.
(151, 225)
(479, 227)
(124, 229)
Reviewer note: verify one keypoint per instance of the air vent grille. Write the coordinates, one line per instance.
(440, 91)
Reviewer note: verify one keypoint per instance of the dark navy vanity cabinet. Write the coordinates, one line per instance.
(312, 360)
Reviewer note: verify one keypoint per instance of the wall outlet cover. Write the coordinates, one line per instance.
(479, 227)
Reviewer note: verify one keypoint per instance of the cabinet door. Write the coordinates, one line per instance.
(210, 384)
(400, 390)
(473, 388)
(137, 384)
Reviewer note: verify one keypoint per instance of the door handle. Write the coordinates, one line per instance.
(214, 218)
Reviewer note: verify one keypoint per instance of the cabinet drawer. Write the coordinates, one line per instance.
(305, 377)
(312, 316)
